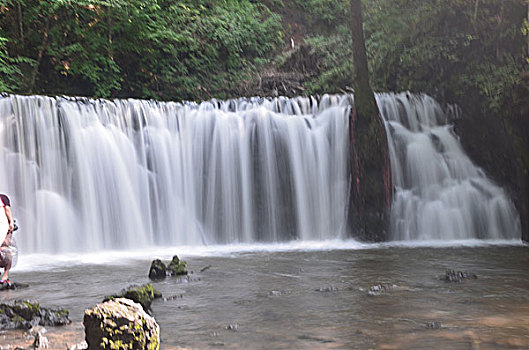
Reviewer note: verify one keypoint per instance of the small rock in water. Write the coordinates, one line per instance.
(380, 288)
(233, 327)
(173, 297)
(157, 270)
(275, 293)
(327, 289)
(176, 267)
(205, 268)
(13, 285)
(458, 276)
(433, 324)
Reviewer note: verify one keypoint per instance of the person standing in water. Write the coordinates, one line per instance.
(7, 245)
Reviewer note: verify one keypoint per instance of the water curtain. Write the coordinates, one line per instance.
(90, 174)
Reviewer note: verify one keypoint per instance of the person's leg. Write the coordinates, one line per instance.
(7, 263)
(5, 275)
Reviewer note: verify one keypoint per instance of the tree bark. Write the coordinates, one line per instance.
(475, 16)
(371, 188)
(42, 49)
(20, 24)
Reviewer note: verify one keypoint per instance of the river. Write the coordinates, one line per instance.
(315, 295)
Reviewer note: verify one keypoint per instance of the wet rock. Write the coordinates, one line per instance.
(457, 276)
(380, 289)
(12, 286)
(233, 327)
(143, 295)
(176, 267)
(120, 324)
(40, 342)
(81, 346)
(275, 293)
(173, 297)
(328, 289)
(433, 324)
(205, 268)
(23, 314)
(157, 270)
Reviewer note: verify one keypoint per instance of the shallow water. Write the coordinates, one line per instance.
(284, 297)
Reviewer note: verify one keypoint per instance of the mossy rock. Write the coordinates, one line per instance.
(120, 324)
(23, 314)
(143, 295)
(157, 270)
(177, 267)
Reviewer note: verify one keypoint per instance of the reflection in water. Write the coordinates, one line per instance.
(319, 299)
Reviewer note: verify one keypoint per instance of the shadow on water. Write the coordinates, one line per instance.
(384, 298)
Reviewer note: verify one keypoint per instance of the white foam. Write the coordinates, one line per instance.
(39, 262)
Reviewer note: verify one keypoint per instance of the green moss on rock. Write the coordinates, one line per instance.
(120, 324)
(143, 295)
(157, 270)
(177, 267)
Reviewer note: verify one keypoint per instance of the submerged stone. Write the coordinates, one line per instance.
(434, 324)
(380, 289)
(23, 314)
(458, 276)
(12, 286)
(120, 324)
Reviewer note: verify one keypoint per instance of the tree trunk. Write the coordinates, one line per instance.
(371, 183)
(42, 49)
(20, 25)
(475, 16)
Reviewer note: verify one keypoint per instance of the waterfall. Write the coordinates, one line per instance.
(439, 193)
(90, 174)
(87, 175)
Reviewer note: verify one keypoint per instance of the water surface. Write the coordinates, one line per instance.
(285, 297)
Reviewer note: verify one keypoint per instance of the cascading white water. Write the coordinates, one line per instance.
(440, 194)
(88, 174)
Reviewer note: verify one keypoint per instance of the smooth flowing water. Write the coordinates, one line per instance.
(309, 295)
(87, 175)
(95, 174)
(440, 194)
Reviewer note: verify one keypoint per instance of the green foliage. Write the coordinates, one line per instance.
(324, 15)
(10, 73)
(451, 49)
(335, 61)
(447, 48)
(136, 48)
(197, 49)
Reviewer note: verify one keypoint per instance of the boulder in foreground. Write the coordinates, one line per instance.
(120, 324)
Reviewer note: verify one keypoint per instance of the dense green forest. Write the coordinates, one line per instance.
(197, 49)
(473, 53)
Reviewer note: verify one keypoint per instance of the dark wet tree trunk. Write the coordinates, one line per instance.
(371, 178)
